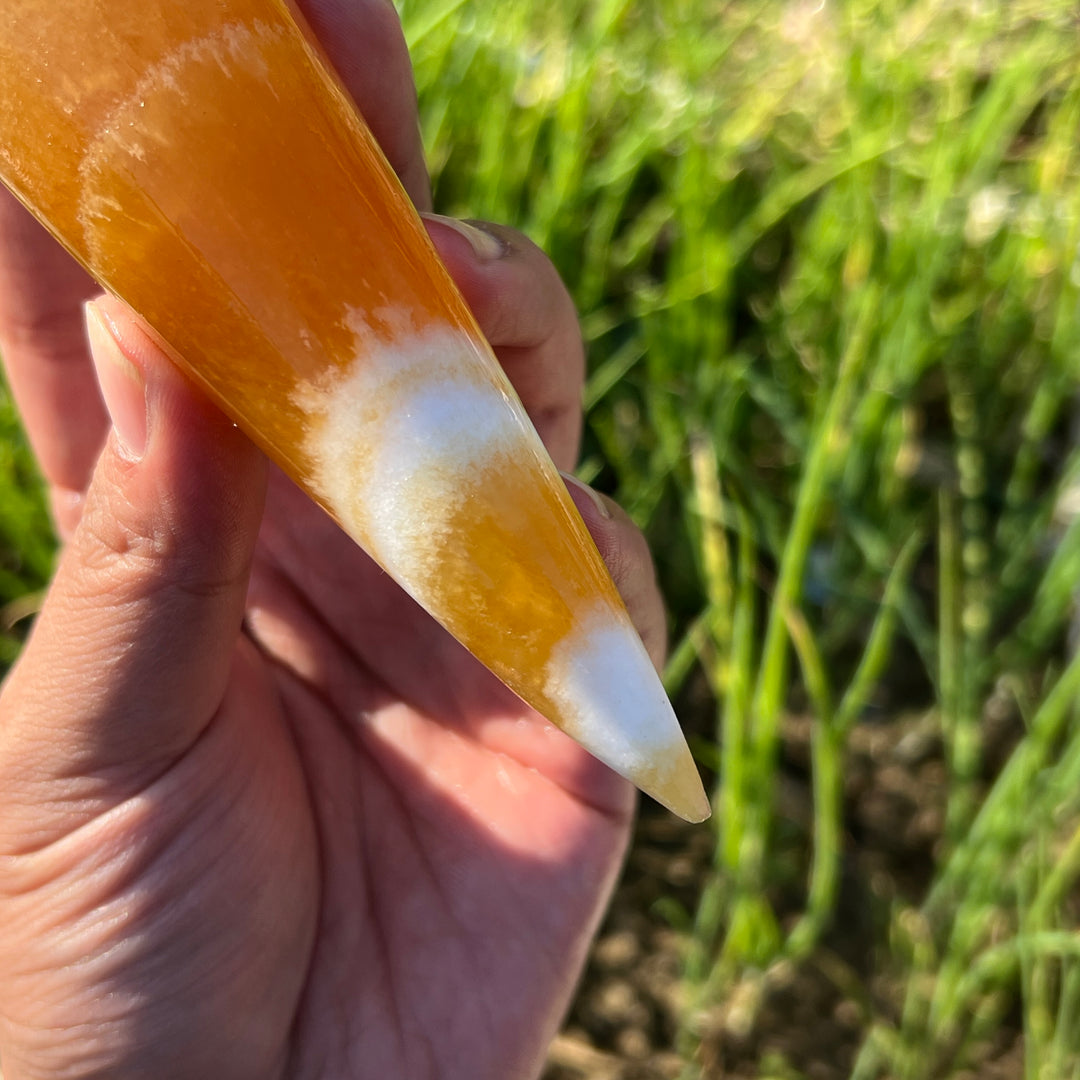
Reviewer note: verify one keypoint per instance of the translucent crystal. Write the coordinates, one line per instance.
(201, 160)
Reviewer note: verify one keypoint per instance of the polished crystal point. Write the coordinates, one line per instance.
(204, 164)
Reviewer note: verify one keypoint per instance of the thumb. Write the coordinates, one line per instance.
(131, 654)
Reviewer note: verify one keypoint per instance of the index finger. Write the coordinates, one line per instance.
(43, 342)
(529, 318)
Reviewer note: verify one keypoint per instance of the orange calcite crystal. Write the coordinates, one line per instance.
(200, 159)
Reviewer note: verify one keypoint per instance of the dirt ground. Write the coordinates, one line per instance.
(809, 1021)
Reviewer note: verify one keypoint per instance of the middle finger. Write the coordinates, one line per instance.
(529, 318)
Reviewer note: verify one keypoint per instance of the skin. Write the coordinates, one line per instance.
(259, 816)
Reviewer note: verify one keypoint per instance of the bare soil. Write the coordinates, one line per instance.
(806, 1021)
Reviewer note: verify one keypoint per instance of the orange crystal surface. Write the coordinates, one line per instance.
(205, 165)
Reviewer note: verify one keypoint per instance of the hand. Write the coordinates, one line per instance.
(259, 815)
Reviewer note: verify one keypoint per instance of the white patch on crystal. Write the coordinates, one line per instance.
(400, 440)
(610, 698)
(130, 130)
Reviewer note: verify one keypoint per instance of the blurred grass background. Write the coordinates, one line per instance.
(26, 539)
(825, 255)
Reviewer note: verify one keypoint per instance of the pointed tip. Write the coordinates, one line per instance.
(610, 699)
(688, 800)
(676, 785)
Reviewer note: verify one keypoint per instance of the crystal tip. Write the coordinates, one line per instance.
(677, 786)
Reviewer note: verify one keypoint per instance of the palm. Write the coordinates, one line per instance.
(446, 816)
(384, 861)
(373, 859)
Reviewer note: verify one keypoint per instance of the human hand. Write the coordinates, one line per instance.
(259, 815)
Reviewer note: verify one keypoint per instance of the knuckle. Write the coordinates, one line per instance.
(628, 552)
(123, 551)
(531, 308)
(629, 569)
(41, 333)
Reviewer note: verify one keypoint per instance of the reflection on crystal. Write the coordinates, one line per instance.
(213, 175)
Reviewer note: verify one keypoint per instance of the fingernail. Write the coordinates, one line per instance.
(486, 246)
(122, 384)
(594, 497)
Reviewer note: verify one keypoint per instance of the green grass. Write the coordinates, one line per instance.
(825, 257)
(26, 540)
(826, 262)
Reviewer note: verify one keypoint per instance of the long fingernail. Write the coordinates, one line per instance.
(486, 246)
(593, 496)
(122, 384)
